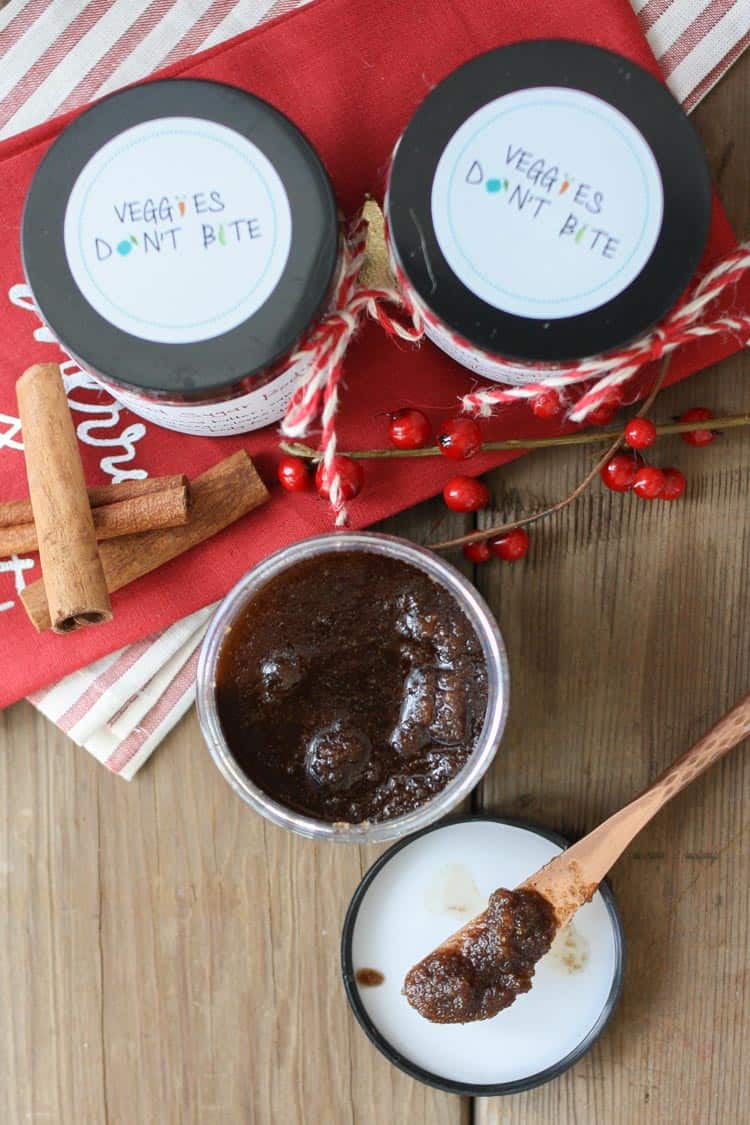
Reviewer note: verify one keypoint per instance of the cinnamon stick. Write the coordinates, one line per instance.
(169, 507)
(14, 512)
(76, 589)
(221, 495)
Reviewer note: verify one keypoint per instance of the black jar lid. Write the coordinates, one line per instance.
(179, 236)
(549, 200)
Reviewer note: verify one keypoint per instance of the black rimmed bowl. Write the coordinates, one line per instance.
(424, 888)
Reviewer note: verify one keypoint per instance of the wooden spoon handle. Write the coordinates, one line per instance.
(570, 879)
(721, 738)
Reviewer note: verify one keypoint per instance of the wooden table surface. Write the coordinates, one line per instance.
(168, 957)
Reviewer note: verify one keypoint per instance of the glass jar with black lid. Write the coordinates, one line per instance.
(180, 238)
(548, 202)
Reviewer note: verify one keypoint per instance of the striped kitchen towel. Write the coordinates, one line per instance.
(57, 55)
(122, 706)
(695, 41)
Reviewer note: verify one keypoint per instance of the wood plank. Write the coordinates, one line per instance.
(628, 635)
(51, 1056)
(226, 998)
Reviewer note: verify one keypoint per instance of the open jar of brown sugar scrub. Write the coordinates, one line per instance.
(353, 687)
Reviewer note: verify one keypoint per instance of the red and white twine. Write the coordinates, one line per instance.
(401, 315)
(607, 374)
(317, 395)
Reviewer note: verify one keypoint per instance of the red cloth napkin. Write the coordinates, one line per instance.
(349, 73)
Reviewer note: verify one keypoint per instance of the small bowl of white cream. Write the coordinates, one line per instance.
(414, 897)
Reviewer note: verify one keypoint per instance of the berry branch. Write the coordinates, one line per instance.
(483, 534)
(460, 439)
(597, 437)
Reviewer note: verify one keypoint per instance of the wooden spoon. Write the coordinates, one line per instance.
(570, 879)
(436, 986)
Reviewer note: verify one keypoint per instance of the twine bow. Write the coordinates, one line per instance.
(356, 295)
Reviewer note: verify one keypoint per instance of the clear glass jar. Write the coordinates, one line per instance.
(476, 610)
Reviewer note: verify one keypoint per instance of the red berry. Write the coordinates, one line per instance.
(459, 438)
(511, 546)
(478, 552)
(619, 472)
(640, 433)
(409, 429)
(546, 404)
(602, 414)
(674, 485)
(649, 482)
(465, 494)
(697, 437)
(294, 474)
(350, 473)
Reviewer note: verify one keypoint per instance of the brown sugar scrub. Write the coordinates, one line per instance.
(488, 963)
(369, 978)
(351, 687)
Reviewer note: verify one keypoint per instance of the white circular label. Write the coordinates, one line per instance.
(547, 203)
(178, 230)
